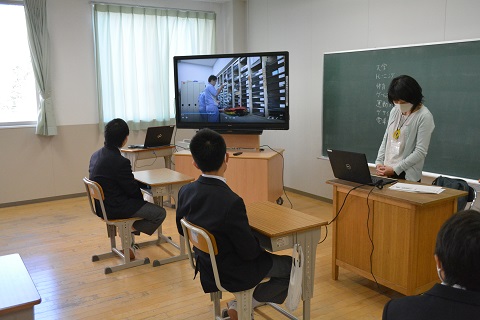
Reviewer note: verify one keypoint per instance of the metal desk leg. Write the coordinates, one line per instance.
(158, 194)
(168, 162)
(308, 240)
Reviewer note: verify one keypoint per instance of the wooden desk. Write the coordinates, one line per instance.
(403, 227)
(18, 294)
(279, 228)
(139, 154)
(164, 182)
(253, 175)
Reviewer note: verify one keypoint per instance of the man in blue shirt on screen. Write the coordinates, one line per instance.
(202, 108)
(211, 101)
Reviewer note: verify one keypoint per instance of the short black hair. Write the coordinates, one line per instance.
(212, 77)
(458, 249)
(116, 131)
(407, 89)
(208, 150)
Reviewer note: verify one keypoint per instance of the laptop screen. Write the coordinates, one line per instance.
(158, 136)
(353, 166)
(350, 166)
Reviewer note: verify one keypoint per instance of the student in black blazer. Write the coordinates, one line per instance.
(211, 204)
(457, 255)
(123, 197)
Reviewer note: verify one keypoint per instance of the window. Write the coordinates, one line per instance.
(18, 104)
(134, 49)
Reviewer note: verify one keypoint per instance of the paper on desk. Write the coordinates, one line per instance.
(416, 188)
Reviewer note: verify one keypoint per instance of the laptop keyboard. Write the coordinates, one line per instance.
(375, 179)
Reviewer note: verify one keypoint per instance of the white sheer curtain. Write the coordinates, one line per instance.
(36, 18)
(135, 47)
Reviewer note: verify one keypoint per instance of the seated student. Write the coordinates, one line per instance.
(211, 204)
(457, 255)
(123, 197)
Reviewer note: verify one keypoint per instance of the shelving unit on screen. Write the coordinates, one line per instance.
(256, 83)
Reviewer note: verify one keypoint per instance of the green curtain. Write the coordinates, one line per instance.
(36, 18)
(134, 48)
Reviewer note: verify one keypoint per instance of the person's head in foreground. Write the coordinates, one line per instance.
(116, 133)
(209, 151)
(457, 251)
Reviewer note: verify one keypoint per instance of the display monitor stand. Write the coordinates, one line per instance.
(242, 141)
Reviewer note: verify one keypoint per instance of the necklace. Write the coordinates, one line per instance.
(396, 133)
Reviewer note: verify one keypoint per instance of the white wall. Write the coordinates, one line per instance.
(308, 28)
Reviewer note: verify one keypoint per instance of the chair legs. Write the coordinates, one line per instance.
(215, 297)
(124, 229)
(244, 304)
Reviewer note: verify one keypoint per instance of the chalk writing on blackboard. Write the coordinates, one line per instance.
(383, 76)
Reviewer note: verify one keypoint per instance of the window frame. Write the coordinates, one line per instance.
(17, 124)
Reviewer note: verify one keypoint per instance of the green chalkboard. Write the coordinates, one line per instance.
(356, 108)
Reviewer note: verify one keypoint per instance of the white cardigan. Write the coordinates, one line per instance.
(417, 139)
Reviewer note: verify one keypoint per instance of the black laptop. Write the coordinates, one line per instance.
(352, 166)
(157, 137)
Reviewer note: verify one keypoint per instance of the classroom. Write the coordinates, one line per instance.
(37, 169)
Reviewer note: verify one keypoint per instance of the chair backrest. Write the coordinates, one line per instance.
(95, 192)
(472, 195)
(205, 242)
(458, 184)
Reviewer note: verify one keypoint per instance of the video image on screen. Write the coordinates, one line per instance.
(251, 91)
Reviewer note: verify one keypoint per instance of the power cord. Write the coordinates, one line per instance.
(147, 165)
(283, 173)
(343, 203)
(339, 210)
(326, 234)
(371, 236)
(379, 184)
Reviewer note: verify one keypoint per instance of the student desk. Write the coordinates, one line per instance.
(164, 182)
(253, 175)
(139, 154)
(18, 294)
(279, 228)
(403, 227)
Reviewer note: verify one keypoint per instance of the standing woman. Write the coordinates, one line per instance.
(407, 137)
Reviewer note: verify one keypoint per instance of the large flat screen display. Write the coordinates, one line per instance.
(249, 95)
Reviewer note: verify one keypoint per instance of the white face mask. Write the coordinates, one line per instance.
(404, 107)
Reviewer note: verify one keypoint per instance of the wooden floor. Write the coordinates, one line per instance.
(57, 239)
